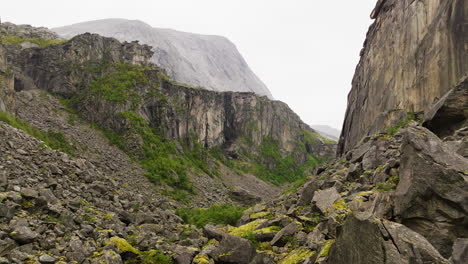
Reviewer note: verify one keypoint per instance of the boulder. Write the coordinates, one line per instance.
(233, 250)
(23, 235)
(460, 251)
(324, 199)
(365, 239)
(307, 193)
(432, 195)
(289, 230)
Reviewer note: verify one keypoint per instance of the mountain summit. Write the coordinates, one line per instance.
(198, 60)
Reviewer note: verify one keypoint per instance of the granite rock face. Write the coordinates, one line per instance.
(414, 53)
(212, 62)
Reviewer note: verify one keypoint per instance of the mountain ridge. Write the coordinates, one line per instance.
(208, 61)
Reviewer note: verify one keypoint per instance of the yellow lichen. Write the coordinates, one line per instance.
(339, 205)
(325, 248)
(266, 230)
(297, 256)
(201, 259)
(259, 215)
(245, 229)
(123, 245)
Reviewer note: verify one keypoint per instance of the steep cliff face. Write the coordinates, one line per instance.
(232, 120)
(414, 53)
(6, 83)
(212, 62)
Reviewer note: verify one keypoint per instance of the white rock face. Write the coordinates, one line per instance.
(212, 62)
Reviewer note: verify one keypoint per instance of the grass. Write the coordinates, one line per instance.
(313, 138)
(16, 40)
(117, 84)
(411, 116)
(54, 139)
(273, 167)
(223, 214)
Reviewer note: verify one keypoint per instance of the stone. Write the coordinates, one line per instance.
(460, 251)
(29, 193)
(211, 232)
(450, 113)
(233, 250)
(432, 194)
(382, 242)
(432, 60)
(307, 193)
(23, 235)
(47, 259)
(324, 199)
(289, 230)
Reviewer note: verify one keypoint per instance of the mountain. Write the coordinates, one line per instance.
(212, 62)
(105, 159)
(428, 59)
(106, 155)
(327, 131)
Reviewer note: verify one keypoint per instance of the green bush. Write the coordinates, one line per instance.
(411, 116)
(53, 139)
(16, 40)
(223, 214)
(118, 83)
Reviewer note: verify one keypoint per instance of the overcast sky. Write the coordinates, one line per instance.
(304, 50)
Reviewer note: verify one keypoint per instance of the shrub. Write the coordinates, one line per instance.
(16, 40)
(411, 116)
(224, 214)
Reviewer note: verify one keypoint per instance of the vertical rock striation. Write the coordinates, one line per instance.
(414, 53)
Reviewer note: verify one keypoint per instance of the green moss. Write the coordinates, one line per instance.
(154, 257)
(53, 139)
(325, 250)
(246, 229)
(385, 187)
(123, 245)
(259, 215)
(224, 214)
(16, 40)
(297, 256)
(267, 230)
(201, 259)
(380, 168)
(411, 116)
(27, 204)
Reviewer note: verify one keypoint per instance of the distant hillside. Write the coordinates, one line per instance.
(212, 62)
(327, 131)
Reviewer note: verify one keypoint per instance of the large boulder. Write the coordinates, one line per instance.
(369, 240)
(233, 249)
(432, 195)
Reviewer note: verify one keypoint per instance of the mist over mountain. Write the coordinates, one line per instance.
(212, 62)
(327, 131)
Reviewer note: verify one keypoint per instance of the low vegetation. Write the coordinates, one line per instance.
(53, 139)
(16, 40)
(223, 214)
(411, 116)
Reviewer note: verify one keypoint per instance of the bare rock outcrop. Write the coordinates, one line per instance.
(414, 53)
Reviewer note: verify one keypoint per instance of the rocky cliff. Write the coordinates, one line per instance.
(228, 120)
(211, 62)
(414, 53)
